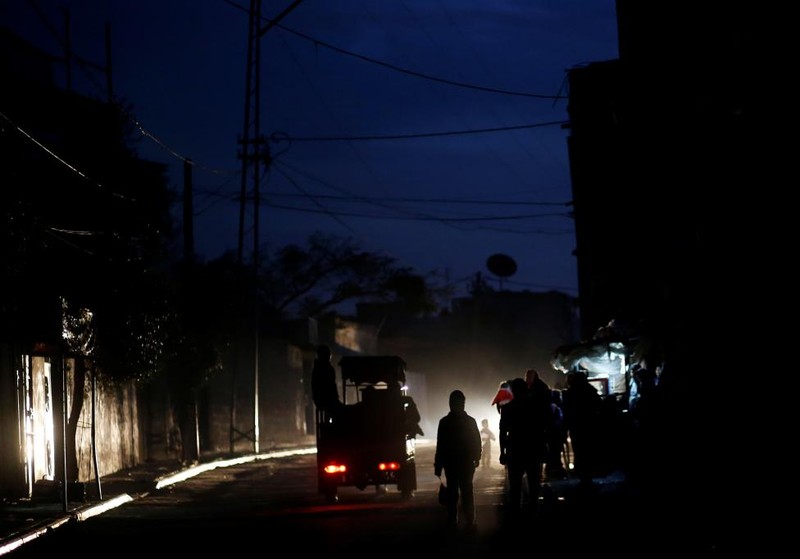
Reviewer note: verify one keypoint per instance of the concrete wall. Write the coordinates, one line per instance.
(117, 422)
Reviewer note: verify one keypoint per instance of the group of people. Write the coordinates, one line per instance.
(534, 422)
(533, 430)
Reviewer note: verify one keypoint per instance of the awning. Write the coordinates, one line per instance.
(594, 356)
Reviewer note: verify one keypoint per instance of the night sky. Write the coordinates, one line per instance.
(430, 131)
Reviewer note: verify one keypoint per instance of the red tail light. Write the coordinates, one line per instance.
(335, 469)
(384, 466)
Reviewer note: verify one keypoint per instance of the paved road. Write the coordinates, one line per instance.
(261, 504)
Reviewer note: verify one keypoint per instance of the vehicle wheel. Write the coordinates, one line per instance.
(408, 481)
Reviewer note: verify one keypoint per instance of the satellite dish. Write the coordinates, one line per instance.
(501, 265)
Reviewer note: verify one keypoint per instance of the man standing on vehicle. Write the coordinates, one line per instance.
(323, 382)
(458, 453)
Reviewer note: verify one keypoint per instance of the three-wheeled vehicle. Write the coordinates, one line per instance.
(366, 442)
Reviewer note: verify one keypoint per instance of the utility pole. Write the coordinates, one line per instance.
(250, 142)
(254, 153)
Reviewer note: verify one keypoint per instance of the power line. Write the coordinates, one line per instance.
(313, 199)
(416, 218)
(426, 134)
(146, 133)
(387, 203)
(375, 202)
(60, 160)
(420, 200)
(346, 52)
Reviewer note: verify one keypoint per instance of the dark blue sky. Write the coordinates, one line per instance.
(377, 99)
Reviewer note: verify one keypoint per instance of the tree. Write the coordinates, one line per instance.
(207, 306)
(330, 271)
(86, 236)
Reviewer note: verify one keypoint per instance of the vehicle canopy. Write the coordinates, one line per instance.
(373, 369)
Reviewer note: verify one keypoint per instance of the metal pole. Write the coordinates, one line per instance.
(256, 203)
(64, 430)
(94, 434)
(254, 159)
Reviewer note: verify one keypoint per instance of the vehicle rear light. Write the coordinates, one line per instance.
(335, 469)
(384, 466)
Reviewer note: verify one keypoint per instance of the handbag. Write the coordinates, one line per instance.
(442, 493)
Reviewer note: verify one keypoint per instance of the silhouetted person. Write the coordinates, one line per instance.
(534, 381)
(582, 406)
(323, 382)
(555, 434)
(503, 395)
(487, 437)
(411, 417)
(458, 453)
(523, 443)
(556, 438)
(646, 417)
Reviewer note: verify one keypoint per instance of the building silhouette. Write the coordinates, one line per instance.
(676, 170)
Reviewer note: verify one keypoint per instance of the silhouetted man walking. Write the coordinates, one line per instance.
(458, 453)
